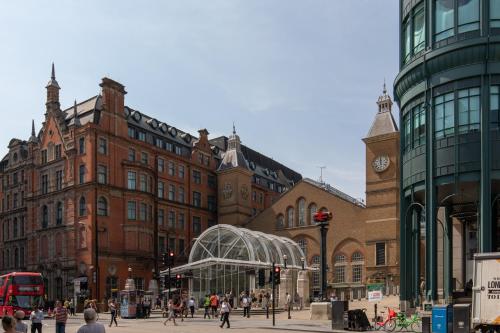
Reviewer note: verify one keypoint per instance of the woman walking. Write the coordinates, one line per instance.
(191, 306)
(171, 313)
(112, 309)
(225, 308)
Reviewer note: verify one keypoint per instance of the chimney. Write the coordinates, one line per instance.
(113, 96)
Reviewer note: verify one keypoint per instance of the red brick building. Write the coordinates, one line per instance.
(103, 187)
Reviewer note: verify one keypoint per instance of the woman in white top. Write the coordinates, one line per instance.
(191, 304)
(225, 308)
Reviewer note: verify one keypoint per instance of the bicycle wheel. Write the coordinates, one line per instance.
(390, 325)
(377, 326)
(416, 326)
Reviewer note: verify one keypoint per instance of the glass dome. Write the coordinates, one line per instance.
(229, 243)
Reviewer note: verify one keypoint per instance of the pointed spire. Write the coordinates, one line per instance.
(53, 81)
(76, 120)
(385, 90)
(33, 134)
(53, 76)
(234, 129)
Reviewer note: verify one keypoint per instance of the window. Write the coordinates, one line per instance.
(180, 221)
(181, 194)
(182, 249)
(211, 203)
(111, 287)
(180, 171)
(161, 216)
(444, 115)
(143, 211)
(289, 214)
(302, 242)
(59, 180)
(59, 213)
(14, 178)
(144, 158)
(15, 228)
(196, 177)
(468, 110)
(141, 135)
(81, 145)
(171, 219)
(131, 155)
(45, 186)
(280, 222)
(302, 212)
(261, 198)
(171, 192)
(254, 196)
(82, 174)
(102, 206)
(102, 174)
(357, 273)
(357, 256)
(407, 40)
(494, 13)
(212, 181)
(139, 283)
(83, 207)
(131, 132)
(178, 150)
(44, 156)
(339, 274)
(444, 19)
(196, 225)
(131, 180)
(379, 254)
(418, 29)
(159, 142)
(312, 210)
(468, 15)
(169, 146)
(131, 210)
(171, 168)
(161, 165)
(161, 244)
(196, 199)
(14, 203)
(45, 217)
(495, 104)
(418, 114)
(143, 183)
(58, 152)
(103, 146)
(171, 244)
(161, 188)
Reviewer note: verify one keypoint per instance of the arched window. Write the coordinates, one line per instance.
(7, 262)
(340, 265)
(302, 211)
(357, 256)
(15, 227)
(16, 258)
(21, 257)
(59, 244)
(102, 206)
(45, 216)
(312, 210)
(280, 222)
(289, 214)
(83, 207)
(59, 213)
(302, 242)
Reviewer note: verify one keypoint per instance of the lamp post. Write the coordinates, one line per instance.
(321, 219)
(303, 260)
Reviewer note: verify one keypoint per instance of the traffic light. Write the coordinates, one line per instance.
(178, 281)
(276, 275)
(262, 278)
(171, 257)
(165, 259)
(322, 216)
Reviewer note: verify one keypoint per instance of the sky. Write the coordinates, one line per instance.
(298, 78)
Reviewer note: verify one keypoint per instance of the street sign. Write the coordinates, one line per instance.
(375, 295)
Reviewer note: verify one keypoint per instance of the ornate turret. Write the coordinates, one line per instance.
(33, 137)
(384, 122)
(52, 90)
(233, 157)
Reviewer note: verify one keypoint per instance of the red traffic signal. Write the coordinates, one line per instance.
(277, 269)
(178, 276)
(322, 216)
(171, 254)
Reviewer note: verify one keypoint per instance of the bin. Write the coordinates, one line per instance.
(426, 324)
(461, 318)
(338, 309)
(442, 319)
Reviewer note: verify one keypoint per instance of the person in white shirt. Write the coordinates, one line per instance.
(36, 318)
(191, 304)
(225, 308)
(91, 326)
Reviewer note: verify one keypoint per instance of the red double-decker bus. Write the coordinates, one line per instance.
(20, 291)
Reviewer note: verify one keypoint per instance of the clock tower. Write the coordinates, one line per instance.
(382, 196)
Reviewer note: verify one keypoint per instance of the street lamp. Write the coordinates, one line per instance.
(129, 272)
(285, 257)
(302, 260)
(321, 219)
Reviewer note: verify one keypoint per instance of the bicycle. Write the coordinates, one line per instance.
(414, 322)
(389, 324)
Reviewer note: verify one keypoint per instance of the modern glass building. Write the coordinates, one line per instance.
(227, 258)
(448, 93)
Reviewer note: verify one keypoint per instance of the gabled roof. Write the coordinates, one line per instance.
(383, 123)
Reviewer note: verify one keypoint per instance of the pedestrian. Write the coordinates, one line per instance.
(36, 318)
(72, 307)
(225, 309)
(9, 324)
(20, 325)
(206, 305)
(214, 304)
(61, 315)
(246, 303)
(90, 316)
(171, 313)
(112, 310)
(191, 306)
(231, 298)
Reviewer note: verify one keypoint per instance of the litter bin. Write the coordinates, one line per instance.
(442, 319)
(461, 318)
(426, 324)
(338, 309)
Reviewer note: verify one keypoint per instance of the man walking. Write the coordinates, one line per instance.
(112, 310)
(245, 303)
(36, 318)
(61, 315)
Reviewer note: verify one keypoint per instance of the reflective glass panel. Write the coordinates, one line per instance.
(444, 19)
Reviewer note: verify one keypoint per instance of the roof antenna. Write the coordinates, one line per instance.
(321, 173)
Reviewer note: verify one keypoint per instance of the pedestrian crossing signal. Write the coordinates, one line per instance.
(277, 275)
(178, 281)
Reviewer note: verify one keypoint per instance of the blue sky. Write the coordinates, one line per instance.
(298, 78)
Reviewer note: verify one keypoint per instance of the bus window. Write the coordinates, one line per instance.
(1, 282)
(1, 300)
(27, 280)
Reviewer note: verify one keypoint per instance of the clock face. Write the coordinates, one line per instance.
(381, 163)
